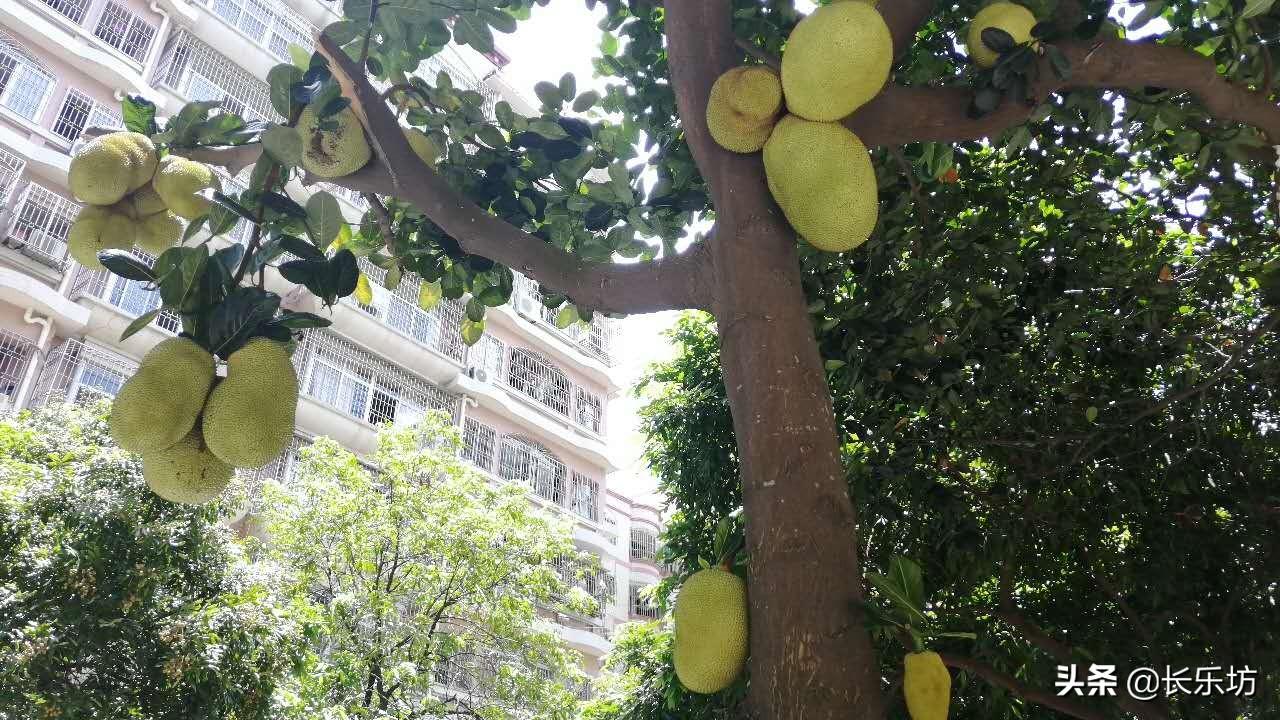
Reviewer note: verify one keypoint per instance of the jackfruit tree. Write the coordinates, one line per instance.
(1158, 116)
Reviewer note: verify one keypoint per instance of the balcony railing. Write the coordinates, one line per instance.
(644, 544)
(16, 352)
(641, 606)
(599, 584)
(131, 297)
(41, 224)
(594, 338)
(538, 378)
(399, 310)
(81, 373)
(73, 10)
(116, 25)
(195, 71)
(271, 25)
(526, 461)
(11, 167)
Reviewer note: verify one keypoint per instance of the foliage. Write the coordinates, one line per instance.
(427, 577)
(115, 603)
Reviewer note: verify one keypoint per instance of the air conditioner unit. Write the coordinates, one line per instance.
(528, 307)
(478, 374)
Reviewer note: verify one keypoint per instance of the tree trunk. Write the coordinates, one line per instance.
(811, 657)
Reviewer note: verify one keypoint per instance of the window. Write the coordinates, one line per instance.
(272, 29)
(196, 71)
(74, 10)
(24, 86)
(536, 466)
(78, 112)
(585, 498)
(644, 544)
(535, 376)
(478, 442)
(487, 355)
(41, 226)
(132, 297)
(641, 605)
(15, 353)
(11, 166)
(589, 411)
(97, 380)
(125, 31)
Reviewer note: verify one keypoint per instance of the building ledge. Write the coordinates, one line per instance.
(24, 291)
(584, 640)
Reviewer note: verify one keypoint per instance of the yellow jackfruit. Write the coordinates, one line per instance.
(836, 60)
(422, 146)
(159, 405)
(710, 630)
(743, 106)
(187, 472)
(146, 202)
(333, 153)
(159, 232)
(142, 154)
(1009, 17)
(821, 176)
(927, 686)
(178, 180)
(248, 421)
(100, 172)
(96, 229)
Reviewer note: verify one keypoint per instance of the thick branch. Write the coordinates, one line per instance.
(1050, 700)
(901, 115)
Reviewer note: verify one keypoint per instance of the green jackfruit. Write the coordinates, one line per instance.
(248, 421)
(927, 686)
(145, 202)
(142, 155)
(744, 104)
(96, 229)
(710, 630)
(159, 405)
(821, 176)
(187, 472)
(836, 60)
(422, 146)
(100, 172)
(1009, 17)
(336, 152)
(159, 232)
(178, 180)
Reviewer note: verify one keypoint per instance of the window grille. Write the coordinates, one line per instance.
(193, 70)
(588, 577)
(79, 373)
(74, 10)
(24, 85)
(644, 544)
(530, 462)
(11, 167)
(131, 297)
(41, 226)
(537, 377)
(588, 410)
(487, 354)
(585, 498)
(478, 444)
(274, 28)
(594, 339)
(338, 374)
(79, 111)
(641, 606)
(280, 470)
(126, 32)
(399, 310)
(16, 352)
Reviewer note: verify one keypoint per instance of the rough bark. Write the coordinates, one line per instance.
(811, 657)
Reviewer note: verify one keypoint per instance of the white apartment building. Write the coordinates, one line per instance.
(529, 399)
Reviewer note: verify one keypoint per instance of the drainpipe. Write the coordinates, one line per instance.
(42, 350)
(153, 55)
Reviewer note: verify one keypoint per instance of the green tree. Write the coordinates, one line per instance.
(115, 603)
(432, 582)
(1110, 139)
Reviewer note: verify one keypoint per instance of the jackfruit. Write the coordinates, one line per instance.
(743, 106)
(159, 232)
(836, 60)
(422, 146)
(821, 176)
(187, 472)
(248, 421)
(178, 180)
(159, 405)
(96, 229)
(927, 686)
(100, 172)
(146, 202)
(1009, 17)
(710, 630)
(333, 153)
(142, 154)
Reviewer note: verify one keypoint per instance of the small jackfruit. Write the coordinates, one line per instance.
(187, 472)
(96, 229)
(710, 630)
(336, 152)
(248, 421)
(100, 172)
(1009, 17)
(145, 202)
(178, 180)
(159, 405)
(927, 686)
(744, 103)
(142, 154)
(821, 176)
(836, 60)
(159, 232)
(422, 146)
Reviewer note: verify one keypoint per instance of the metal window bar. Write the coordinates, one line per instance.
(336, 373)
(532, 374)
(355, 197)
(131, 297)
(16, 352)
(588, 577)
(80, 373)
(585, 497)
(280, 470)
(398, 309)
(478, 444)
(588, 410)
(11, 167)
(488, 355)
(532, 463)
(644, 544)
(195, 71)
(73, 10)
(641, 606)
(24, 84)
(125, 31)
(79, 111)
(595, 339)
(40, 229)
(273, 28)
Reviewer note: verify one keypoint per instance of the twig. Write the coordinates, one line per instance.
(368, 35)
(1031, 694)
(926, 216)
(758, 53)
(384, 217)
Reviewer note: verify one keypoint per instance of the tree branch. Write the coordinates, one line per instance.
(1064, 705)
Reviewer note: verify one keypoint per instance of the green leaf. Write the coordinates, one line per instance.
(1091, 414)
(1254, 8)
(126, 265)
(471, 29)
(472, 331)
(568, 86)
(324, 218)
(281, 79)
(284, 145)
(429, 295)
(567, 316)
(236, 318)
(548, 129)
(475, 310)
(139, 323)
(586, 101)
(898, 596)
(608, 45)
(549, 94)
(139, 115)
(833, 365)
(907, 574)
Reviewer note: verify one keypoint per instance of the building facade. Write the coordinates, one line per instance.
(529, 399)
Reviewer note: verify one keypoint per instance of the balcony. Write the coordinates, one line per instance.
(79, 111)
(192, 70)
(11, 167)
(271, 26)
(81, 373)
(594, 339)
(641, 605)
(533, 377)
(40, 226)
(398, 309)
